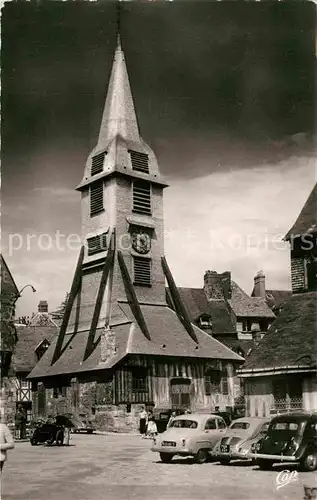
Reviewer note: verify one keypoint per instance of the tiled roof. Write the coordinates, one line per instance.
(245, 306)
(275, 298)
(197, 304)
(240, 346)
(168, 338)
(24, 356)
(42, 319)
(292, 339)
(307, 219)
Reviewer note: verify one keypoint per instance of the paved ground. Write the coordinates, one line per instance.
(107, 467)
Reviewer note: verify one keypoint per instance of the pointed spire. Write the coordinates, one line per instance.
(119, 116)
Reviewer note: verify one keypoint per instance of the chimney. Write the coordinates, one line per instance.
(43, 306)
(217, 286)
(259, 285)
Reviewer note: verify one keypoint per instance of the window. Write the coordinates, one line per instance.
(140, 161)
(240, 425)
(142, 197)
(139, 380)
(60, 391)
(224, 384)
(97, 163)
(221, 424)
(41, 349)
(142, 271)
(247, 325)
(212, 382)
(97, 244)
(211, 424)
(96, 198)
(205, 321)
(184, 424)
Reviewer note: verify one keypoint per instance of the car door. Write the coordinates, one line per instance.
(212, 430)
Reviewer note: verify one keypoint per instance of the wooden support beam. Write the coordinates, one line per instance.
(131, 296)
(69, 305)
(181, 310)
(90, 346)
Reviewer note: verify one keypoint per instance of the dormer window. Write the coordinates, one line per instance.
(205, 321)
(42, 348)
(140, 161)
(97, 163)
(96, 198)
(142, 197)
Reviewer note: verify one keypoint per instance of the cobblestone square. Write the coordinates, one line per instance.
(97, 467)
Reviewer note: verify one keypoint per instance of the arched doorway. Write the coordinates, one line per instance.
(180, 393)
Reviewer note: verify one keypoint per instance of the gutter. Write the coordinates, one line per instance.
(257, 372)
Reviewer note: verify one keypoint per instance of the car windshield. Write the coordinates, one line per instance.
(289, 426)
(185, 424)
(240, 425)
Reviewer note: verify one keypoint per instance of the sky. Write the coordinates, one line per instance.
(224, 94)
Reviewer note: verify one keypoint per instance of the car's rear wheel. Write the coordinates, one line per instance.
(265, 464)
(33, 441)
(225, 461)
(309, 463)
(59, 438)
(90, 431)
(166, 457)
(201, 456)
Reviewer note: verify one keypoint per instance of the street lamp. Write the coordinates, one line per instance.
(25, 286)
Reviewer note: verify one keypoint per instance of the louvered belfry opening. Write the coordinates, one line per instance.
(96, 197)
(142, 271)
(140, 161)
(97, 163)
(97, 244)
(142, 197)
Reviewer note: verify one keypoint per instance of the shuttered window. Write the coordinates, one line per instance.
(140, 161)
(97, 163)
(96, 198)
(142, 197)
(142, 271)
(97, 244)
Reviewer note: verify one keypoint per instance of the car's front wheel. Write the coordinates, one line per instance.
(166, 457)
(33, 441)
(309, 463)
(201, 456)
(90, 431)
(264, 464)
(50, 439)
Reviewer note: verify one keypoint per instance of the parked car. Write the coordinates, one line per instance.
(162, 416)
(50, 431)
(190, 435)
(81, 423)
(290, 437)
(239, 438)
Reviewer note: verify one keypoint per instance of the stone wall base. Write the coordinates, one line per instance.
(121, 418)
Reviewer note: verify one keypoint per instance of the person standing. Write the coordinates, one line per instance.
(143, 421)
(6, 443)
(151, 429)
(171, 419)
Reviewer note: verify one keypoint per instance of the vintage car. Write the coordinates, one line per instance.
(162, 416)
(239, 438)
(291, 437)
(50, 432)
(194, 435)
(81, 423)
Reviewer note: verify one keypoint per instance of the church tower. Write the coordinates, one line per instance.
(122, 196)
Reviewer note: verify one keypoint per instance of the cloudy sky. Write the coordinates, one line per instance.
(224, 95)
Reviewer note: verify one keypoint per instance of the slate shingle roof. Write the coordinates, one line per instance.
(292, 339)
(245, 306)
(307, 220)
(24, 356)
(168, 338)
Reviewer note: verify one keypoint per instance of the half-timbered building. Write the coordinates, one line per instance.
(120, 345)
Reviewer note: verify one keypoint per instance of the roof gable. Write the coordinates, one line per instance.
(306, 222)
